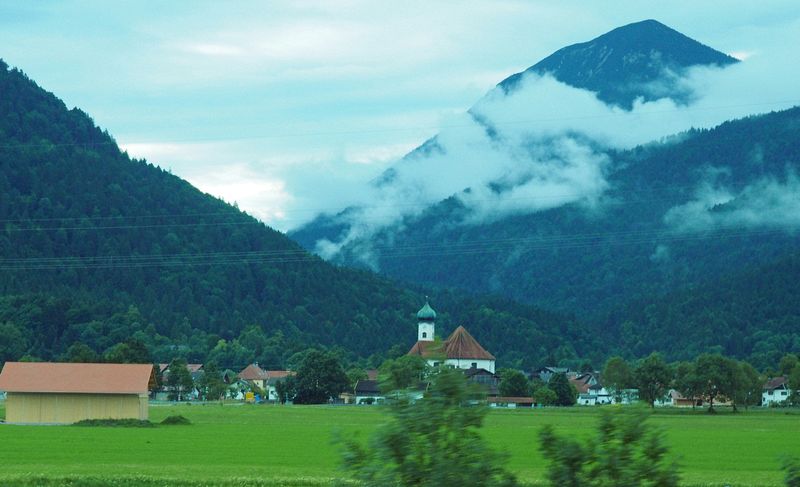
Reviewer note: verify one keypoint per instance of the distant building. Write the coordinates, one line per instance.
(546, 373)
(776, 391)
(460, 350)
(255, 376)
(62, 393)
(368, 392)
(273, 377)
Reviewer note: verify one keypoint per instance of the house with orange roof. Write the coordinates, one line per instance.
(460, 350)
(62, 393)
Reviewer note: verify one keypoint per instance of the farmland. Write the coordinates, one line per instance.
(293, 445)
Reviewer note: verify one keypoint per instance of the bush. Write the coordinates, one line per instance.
(176, 420)
(625, 452)
(123, 423)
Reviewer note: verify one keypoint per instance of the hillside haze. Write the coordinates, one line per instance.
(572, 223)
(98, 248)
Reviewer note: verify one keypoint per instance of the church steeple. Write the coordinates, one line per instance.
(425, 322)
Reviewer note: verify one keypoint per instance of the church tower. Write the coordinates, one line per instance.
(425, 322)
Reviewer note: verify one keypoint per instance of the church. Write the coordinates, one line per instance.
(460, 350)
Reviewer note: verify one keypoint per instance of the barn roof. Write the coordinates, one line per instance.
(75, 378)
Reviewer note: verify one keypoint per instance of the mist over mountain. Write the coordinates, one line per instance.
(645, 60)
(582, 196)
(96, 248)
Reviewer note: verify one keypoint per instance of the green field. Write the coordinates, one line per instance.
(293, 444)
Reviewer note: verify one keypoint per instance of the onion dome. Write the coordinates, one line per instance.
(426, 313)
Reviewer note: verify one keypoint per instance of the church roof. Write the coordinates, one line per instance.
(462, 345)
(459, 345)
(426, 349)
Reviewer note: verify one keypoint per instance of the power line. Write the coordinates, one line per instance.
(574, 242)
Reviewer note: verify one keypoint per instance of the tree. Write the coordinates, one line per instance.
(748, 385)
(788, 362)
(617, 376)
(652, 376)
(713, 373)
(131, 351)
(793, 382)
(319, 378)
(401, 373)
(687, 382)
(80, 352)
(12, 342)
(433, 441)
(513, 383)
(355, 374)
(565, 392)
(545, 396)
(626, 452)
(286, 389)
(179, 380)
(211, 384)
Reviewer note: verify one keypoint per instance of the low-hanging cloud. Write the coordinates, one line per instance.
(544, 145)
(766, 203)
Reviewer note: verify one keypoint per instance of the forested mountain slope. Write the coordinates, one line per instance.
(752, 313)
(96, 247)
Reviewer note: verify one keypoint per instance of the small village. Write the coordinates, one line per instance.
(48, 392)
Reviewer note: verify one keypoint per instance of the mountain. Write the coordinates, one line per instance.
(675, 214)
(753, 313)
(573, 223)
(644, 59)
(98, 248)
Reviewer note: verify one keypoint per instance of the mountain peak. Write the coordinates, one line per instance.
(638, 60)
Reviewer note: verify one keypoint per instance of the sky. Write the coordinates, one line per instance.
(290, 108)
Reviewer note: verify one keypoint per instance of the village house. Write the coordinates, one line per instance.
(195, 372)
(273, 377)
(546, 373)
(460, 350)
(62, 393)
(368, 392)
(776, 391)
(255, 376)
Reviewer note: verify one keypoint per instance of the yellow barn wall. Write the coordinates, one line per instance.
(24, 407)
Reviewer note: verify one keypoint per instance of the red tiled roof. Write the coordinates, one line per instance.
(75, 378)
(462, 345)
(278, 374)
(253, 372)
(459, 345)
(426, 349)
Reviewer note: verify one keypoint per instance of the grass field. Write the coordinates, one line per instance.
(292, 445)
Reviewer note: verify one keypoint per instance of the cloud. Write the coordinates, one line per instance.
(766, 203)
(544, 145)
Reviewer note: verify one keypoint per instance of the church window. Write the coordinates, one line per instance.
(424, 334)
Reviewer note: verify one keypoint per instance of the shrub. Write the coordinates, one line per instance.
(123, 423)
(176, 420)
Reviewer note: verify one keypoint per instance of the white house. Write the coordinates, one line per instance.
(776, 391)
(460, 350)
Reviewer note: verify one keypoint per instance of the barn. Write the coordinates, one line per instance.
(66, 393)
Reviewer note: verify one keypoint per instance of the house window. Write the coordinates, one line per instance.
(436, 364)
(474, 365)
(783, 393)
(424, 334)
